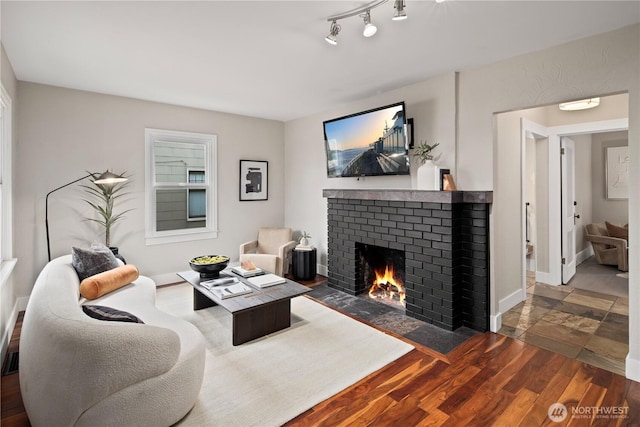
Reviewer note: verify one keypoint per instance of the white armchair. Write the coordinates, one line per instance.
(271, 251)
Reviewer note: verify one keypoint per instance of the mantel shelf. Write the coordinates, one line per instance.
(411, 195)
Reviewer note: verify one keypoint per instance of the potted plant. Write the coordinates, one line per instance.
(423, 152)
(427, 175)
(102, 198)
(304, 238)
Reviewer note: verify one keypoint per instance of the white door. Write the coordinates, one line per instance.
(568, 209)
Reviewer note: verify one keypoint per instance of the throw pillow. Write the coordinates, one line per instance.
(94, 260)
(617, 231)
(102, 283)
(101, 312)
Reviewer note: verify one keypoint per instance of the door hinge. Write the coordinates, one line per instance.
(564, 260)
(562, 150)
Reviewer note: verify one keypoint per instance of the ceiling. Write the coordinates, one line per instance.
(268, 58)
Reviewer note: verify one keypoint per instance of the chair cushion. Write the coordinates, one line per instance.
(617, 231)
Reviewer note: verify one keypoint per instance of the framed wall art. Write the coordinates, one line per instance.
(254, 180)
(617, 172)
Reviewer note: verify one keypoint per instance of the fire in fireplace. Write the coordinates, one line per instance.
(382, 274)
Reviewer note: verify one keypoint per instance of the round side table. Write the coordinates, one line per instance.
(304, 264)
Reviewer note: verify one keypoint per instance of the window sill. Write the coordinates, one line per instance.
(6, 268)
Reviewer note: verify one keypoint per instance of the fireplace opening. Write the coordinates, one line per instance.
(382, 274)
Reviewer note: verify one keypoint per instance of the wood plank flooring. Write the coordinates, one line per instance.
(490, 380)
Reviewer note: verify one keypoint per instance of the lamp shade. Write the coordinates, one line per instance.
(109, 178)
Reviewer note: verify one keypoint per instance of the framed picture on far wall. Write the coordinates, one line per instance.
(617, 172)
(254, 180)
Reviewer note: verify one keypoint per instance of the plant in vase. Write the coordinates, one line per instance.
(426, 177)
(102, 198)
(304, 238)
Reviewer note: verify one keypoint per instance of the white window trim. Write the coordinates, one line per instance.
(210, 231)
(189, 170)
(6, 191)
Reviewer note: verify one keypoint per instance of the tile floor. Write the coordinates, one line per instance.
(584, 325)
(393, 319)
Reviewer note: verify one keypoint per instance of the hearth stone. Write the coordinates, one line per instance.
(445, 241)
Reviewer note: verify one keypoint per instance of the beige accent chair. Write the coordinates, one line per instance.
(271, 251)
(608, 250)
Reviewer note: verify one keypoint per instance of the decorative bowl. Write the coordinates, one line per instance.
(209, 266)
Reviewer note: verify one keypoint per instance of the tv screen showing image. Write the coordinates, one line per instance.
(369, 143)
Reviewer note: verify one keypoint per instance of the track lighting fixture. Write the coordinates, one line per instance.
(369, 28)
(365, 13)
(399, 13)
(333, 33)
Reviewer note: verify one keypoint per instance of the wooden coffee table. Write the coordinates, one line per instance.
(256, 314)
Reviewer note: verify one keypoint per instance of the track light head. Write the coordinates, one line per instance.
(399, 13)
(333, 33)
(369, 28)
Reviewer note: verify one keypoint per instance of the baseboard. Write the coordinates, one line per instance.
(543, 277)
(510, 301)
(632, 368)
(495, 322)
(322, 270)
(504, 305)
(584, 255)
(20, 305)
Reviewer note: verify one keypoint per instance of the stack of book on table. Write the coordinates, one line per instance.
(303, 247)
(266, 280)
(255, 271)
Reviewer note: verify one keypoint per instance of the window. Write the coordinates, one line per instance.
(181, 194)
(197, 198)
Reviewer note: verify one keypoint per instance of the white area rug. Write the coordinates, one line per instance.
(271, 380)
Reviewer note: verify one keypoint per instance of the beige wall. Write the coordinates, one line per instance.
(64, 133)
(482, 162)
(432, 106)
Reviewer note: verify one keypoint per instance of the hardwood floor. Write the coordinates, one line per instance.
(488, 380)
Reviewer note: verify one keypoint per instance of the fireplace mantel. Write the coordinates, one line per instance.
(411, 195)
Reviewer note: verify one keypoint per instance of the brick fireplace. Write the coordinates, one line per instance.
(444, 236)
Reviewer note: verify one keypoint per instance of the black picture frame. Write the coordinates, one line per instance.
(254, 180)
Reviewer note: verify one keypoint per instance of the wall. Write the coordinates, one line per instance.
(9, 302)
(481, 162)
(432, 106)
(64, 133)
(614, 211)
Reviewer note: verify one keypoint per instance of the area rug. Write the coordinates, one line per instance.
(267, 382)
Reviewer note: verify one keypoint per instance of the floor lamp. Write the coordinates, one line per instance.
(105, 178)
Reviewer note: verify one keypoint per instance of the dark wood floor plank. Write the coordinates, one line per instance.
(537, 414)
(517, 409)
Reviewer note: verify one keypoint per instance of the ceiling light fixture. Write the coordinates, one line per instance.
(365, 13)
(333, 33)
(582, 104)
(400, 13)
(369, 28)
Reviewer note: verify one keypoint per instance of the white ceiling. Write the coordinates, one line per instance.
(269, 58)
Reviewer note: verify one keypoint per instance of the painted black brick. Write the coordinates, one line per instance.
(446, 252)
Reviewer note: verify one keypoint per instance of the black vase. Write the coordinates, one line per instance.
(114, 249)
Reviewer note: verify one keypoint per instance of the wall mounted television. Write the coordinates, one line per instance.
(369, 143)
